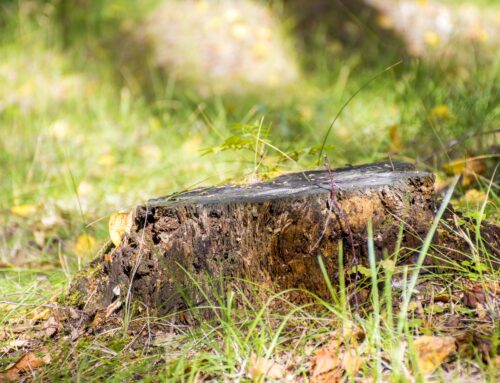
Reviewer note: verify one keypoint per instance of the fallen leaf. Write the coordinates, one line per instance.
(481, 312)
(431, 351)
(325, 367)
(385, 21)
(51, 326)
(474, 196)
(27, 363)
(5, 265)
(338, 357)
(441, 183)
(396, 138)
(98, 320)
(73, 314)
(432, 38)
(469, 168)
(39, 237)
(24, 211)
(84, 244)
(107, 160)
(120, 223)
(41, 314)
(351, 362)
(259, 367)
(113, 307)
(441, 112)
(474, 296)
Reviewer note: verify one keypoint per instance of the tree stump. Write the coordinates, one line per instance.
(185, 246)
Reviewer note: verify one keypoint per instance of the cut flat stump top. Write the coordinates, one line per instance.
(296, 185)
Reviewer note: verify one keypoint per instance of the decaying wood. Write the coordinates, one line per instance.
(271, 234)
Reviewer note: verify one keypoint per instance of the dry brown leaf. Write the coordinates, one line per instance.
(73, 314)
(481, 312)
(432, 351)
(351, 362)
(27, 363)
(39, 237)
(474, 296)
(120, 223)
(98, 320)
(323, 362)
(5, 265)
(259, 367)
(51, 326)
(338, 357)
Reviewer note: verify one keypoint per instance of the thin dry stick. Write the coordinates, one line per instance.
(343, 217)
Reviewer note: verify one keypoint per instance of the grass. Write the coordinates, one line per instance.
(79, 139)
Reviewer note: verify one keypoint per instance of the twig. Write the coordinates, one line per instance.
(343, 217)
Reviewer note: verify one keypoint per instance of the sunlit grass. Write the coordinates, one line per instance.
(80, 140)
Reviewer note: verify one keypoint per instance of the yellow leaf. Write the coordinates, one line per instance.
(432, 38)
(23, 210)
(469, 168)
(84, 244)
(441, 112)
(385, 21)
(395, 138)
(41, 314)
(455, 167)
(107, 160)
(432, 351)
(192, 145)
(120, 223)
(441, 183)
(474, 196)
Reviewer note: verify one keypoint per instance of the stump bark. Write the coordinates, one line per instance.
(185, 246)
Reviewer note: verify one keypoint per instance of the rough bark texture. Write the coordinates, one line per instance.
(268, 233)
